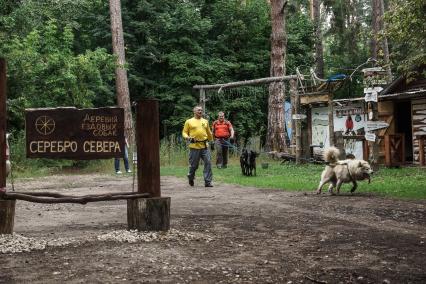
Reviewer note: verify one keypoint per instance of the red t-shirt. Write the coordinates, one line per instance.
(222, 129)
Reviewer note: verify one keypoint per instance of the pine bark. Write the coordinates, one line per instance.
(121, 83)
(375, 28)
(276, 134)
(319, 54)
(385, 45)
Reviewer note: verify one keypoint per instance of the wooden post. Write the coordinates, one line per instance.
(297, 122)
(331, 119)
(340, 144)
(7, 216)
(148, 147)
(421, 140)
(203, 100)
(7, 207)
(373, 114)
(2, 123)
(150, 214)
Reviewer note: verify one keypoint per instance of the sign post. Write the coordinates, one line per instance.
(374, 78)
(297, 117)
(148, 214)
(7, 207)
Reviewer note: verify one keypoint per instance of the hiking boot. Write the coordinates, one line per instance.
(208, 185)
(190, 181)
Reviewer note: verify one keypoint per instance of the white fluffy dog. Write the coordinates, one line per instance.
(337, 171)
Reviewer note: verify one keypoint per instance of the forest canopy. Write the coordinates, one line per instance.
(59, 52)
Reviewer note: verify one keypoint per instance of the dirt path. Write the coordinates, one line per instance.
(227, 234)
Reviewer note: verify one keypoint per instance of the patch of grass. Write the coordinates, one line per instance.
(401, 182)
(406, 182)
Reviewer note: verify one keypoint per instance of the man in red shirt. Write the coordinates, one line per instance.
(222, 131)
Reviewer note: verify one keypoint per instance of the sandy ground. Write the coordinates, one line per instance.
(224, 234)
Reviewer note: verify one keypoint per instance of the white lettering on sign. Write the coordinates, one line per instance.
(53, 146)
(375, 125)
(370, 136)
(101, 146)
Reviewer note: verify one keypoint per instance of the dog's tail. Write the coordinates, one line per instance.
(331, 155)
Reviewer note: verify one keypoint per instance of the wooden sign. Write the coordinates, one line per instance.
(370, 136)
(71, 133)
(375, 125)
(370, 94)
(298, 116)
(375, 76)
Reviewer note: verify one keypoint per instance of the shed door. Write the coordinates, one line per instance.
(403, 125)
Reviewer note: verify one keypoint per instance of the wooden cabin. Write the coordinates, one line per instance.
(402, 104)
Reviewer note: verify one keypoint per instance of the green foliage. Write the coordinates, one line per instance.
(406, 28)
(45, 72)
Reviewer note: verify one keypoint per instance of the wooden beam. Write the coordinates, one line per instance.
(305, 100)
(58, 195)
(245, 83)
(71, 199)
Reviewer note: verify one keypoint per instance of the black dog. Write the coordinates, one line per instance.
(244, 161)
(248, 162)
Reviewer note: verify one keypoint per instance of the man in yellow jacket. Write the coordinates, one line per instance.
(197, 132)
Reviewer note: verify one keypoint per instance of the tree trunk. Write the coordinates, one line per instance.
(385, 45)
(121, 84)
(375, 28)
(316, 19)
(276, 136)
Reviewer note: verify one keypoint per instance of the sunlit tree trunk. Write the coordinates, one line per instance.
(121, 84)
(276, 135)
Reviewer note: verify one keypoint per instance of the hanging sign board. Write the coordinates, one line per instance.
(298, 116)
(371, 94)
(374, 77)
(370, 136)
(71, 133)
(375, 125)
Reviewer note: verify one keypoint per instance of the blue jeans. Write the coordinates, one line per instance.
(126, 161)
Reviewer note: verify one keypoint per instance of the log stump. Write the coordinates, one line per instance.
(149, 214)
(7, 216)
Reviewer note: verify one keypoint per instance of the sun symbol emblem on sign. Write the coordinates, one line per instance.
(45, 125)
